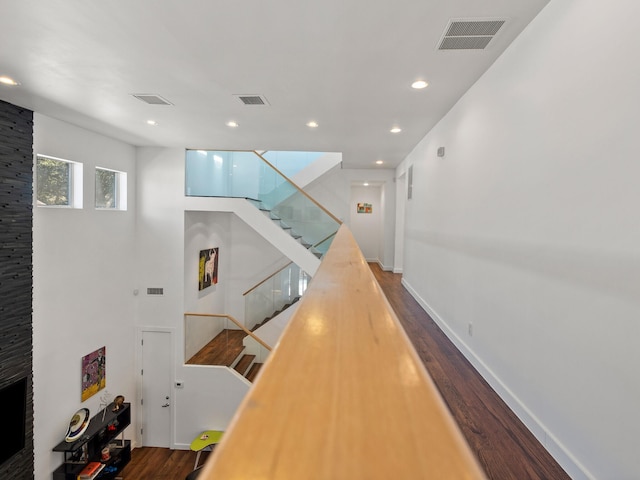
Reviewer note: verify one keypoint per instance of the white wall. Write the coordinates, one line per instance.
(528, 229)
(82, 289)
(367, 227)
(333, 191)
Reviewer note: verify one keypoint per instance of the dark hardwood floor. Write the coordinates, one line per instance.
(148, 463)
(503, 445)
(222, 350)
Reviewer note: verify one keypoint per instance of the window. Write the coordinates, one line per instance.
(111, 189)
(59, 182)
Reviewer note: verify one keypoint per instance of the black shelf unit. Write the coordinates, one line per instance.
(101, 433)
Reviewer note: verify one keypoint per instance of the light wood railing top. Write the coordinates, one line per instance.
(343, 395)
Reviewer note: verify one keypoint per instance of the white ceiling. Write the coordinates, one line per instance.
(347, 64)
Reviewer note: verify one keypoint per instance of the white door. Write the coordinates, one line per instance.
(157, 362)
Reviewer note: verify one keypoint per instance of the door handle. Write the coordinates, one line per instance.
(165, 405)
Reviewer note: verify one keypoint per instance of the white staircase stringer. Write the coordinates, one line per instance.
(253, 217)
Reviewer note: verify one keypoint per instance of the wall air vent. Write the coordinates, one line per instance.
(252, 99)
(152, 99)
(155, 291)
(469, 34)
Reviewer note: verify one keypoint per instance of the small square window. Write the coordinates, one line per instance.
(58, 182)
(111, 189)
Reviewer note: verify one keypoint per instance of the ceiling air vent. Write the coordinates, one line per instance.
(252, 99)
(152, 99)
(469, 34)
(155, 291)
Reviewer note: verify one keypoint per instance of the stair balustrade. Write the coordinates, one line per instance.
(249, 175)
(221, 340)
(273, 295)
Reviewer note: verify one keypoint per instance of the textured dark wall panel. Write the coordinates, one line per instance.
(16, 279)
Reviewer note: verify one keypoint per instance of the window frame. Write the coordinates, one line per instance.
(120, 187)
(75, 183)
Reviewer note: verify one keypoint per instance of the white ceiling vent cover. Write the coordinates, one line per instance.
(469, 34)
(152, 99)
(256, 100)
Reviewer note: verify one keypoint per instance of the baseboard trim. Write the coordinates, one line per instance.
(556, 449)
(376, 260)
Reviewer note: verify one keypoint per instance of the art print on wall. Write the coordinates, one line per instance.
(208, 268)
(364, 208)
(94, 374)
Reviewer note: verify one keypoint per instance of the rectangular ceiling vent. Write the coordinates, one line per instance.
(252, 99)
(152, 99)
(469, 34)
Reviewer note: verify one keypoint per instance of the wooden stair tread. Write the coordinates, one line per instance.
(253, 371)
(243, 364)
(222, 350)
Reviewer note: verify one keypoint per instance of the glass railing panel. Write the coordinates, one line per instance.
(211, 173)
(211, 340)
(248, 175)
(272, 295)
(323, 246)
(290, 163)
(253, 347)
(306, 218)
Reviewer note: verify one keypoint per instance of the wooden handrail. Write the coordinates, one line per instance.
(242, 327)
(325, 239)
(344, 395)
(269, 277)
(299, 189)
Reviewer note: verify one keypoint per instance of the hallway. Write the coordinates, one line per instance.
(503, 445)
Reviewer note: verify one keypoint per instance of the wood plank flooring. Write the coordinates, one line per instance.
(503, 445)
(505, 448)
(148, 463)
(222, 350)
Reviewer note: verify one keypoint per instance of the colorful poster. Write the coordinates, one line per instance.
(94, 374)
(364, 208)
(208, 268)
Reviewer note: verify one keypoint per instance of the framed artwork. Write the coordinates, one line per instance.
(364, 208)
(94, 374)
(208, 268)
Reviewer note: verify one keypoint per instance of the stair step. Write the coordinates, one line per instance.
(253, 372)
(222, 350)
(243, 364)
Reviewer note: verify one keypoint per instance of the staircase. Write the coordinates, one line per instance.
(227, 349)
(280, 223)
(275, 314)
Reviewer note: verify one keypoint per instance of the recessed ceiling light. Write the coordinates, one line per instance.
(395, 130)
(379, 162)
(232, 124)
(365, 184)
(312, 124)
(418, 84)
(152, 122)
(8, 81)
